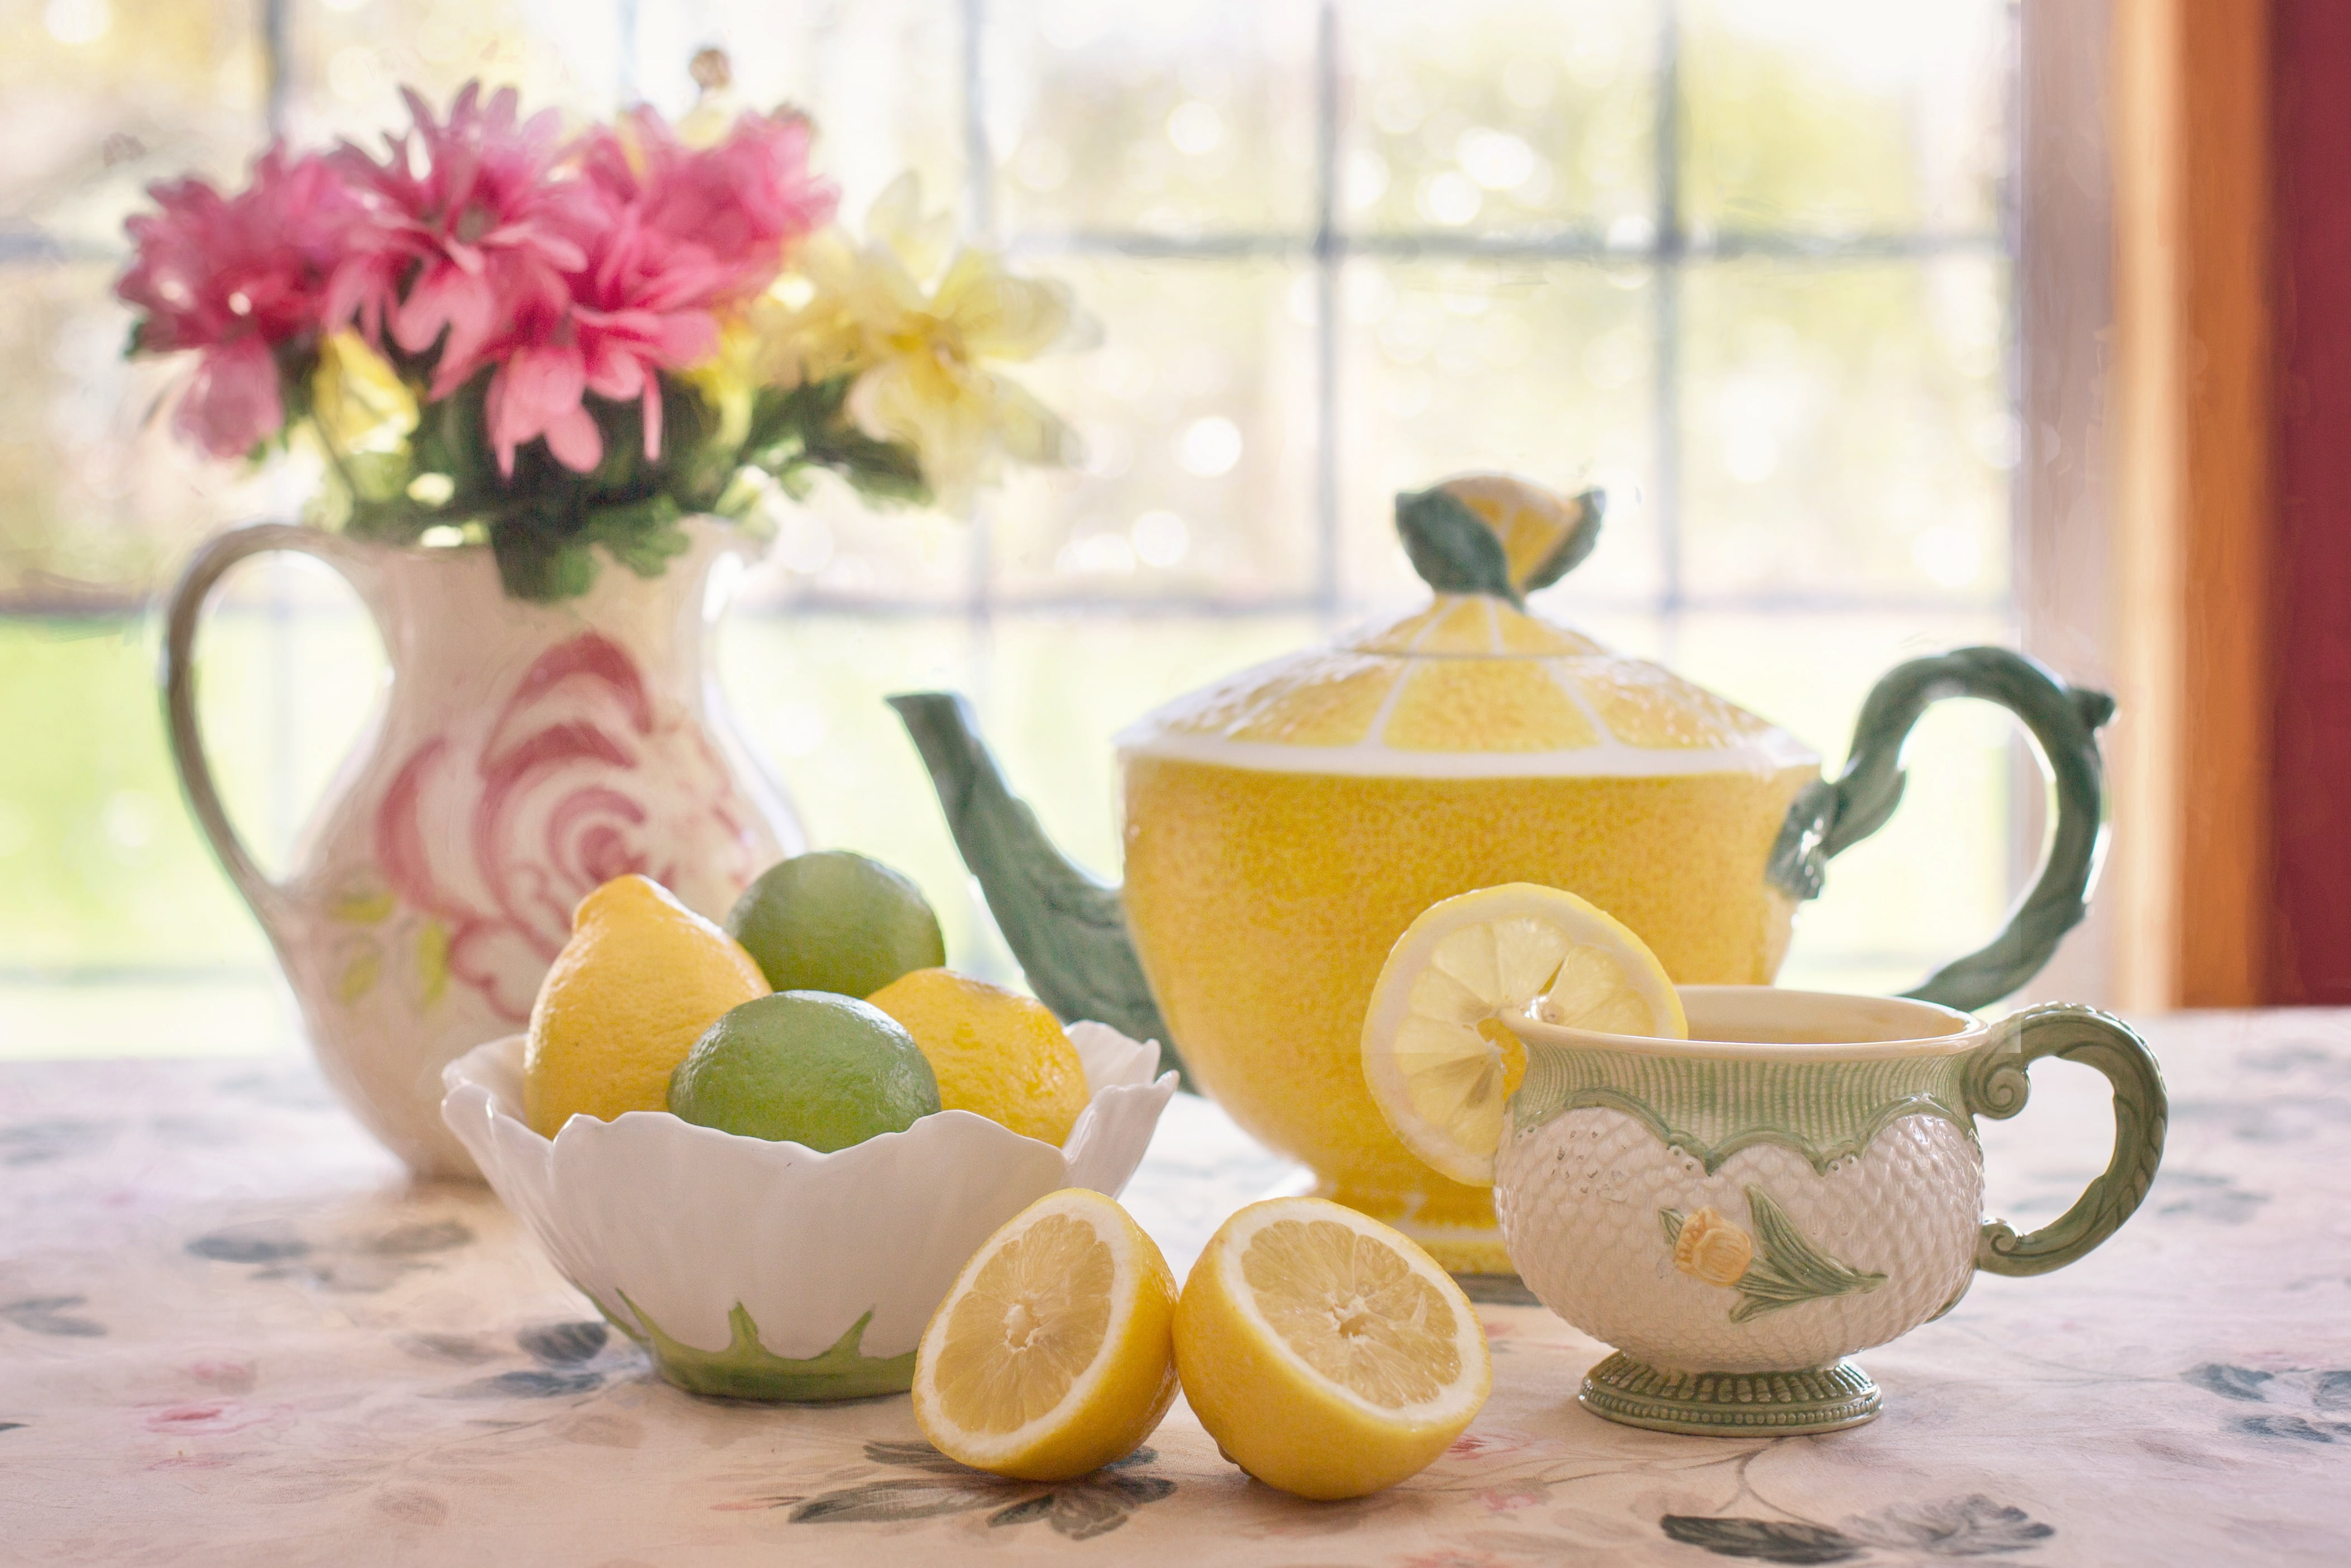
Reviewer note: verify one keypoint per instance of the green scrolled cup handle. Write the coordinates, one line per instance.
(1997, 1085)
(1830, 816)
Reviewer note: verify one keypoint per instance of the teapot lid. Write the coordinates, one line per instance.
(1473, 685)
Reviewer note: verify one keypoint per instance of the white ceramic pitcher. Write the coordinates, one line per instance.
(519, 754)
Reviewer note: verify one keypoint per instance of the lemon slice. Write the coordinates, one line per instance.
(1050, 1356)
(1327, 1355)
(1439, 1052)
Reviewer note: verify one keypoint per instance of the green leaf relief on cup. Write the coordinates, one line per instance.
(746, 1369)
(1776, 1267)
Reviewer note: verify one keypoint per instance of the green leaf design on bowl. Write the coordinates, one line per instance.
(746, 1369)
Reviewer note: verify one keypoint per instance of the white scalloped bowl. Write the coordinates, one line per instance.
(768, 1271)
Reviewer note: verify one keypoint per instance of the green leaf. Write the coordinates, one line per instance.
(1788, 1268)
(391, 522)
(880, 470)
(643, 536)
(1451, 546)
(539, 568)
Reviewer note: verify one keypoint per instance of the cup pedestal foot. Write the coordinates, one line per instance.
(1730, 1404)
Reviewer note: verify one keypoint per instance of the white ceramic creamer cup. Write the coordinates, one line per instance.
(1738, 1211)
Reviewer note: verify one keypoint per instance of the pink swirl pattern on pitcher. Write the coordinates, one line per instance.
(501, 839)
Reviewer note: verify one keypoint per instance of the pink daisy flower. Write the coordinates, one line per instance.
(231, 278)
(686, 234)
(720, 218)
(475, 230)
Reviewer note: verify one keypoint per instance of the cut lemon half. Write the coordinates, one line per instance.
(1439, 1052)
(1327, 1355)
(1051, 1355)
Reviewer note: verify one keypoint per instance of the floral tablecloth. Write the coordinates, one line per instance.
(231, 1332)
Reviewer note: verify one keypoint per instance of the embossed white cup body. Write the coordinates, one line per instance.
(1738, 1211)
(1798, 1181)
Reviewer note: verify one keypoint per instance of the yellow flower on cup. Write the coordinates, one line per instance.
(920, 350)
(1711, 1249)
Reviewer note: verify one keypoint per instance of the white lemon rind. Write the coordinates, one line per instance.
(983, 1449)
(1465, 1395)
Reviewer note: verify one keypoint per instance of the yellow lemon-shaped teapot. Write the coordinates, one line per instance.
(1283, 826)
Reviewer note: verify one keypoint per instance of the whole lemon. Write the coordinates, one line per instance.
(641, 978)
(804, 1067)
(833, 921)
(995, 1052)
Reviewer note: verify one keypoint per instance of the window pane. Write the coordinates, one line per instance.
(883, 79)
(1843, 116)
(1183, 116)
(99, 97)
(1196, 417)
(1502, 114)
(1934, 881)
(101, 867)
(350, 61)
(836, 546)
(1845, 429)
(1542, 369)
(97, 498)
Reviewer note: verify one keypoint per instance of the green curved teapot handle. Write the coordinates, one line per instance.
(1997, 1085)
(1828, 816)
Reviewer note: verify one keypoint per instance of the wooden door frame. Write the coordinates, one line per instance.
(2190, 531)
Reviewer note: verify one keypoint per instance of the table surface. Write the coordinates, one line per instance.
(231, 1332)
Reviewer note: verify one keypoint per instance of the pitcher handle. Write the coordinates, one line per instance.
(1828, 818)
(181, 615)
(1997, 1083)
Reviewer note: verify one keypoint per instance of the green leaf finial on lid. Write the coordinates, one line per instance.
(1490, 533)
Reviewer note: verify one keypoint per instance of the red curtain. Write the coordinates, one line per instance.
(2311, 761)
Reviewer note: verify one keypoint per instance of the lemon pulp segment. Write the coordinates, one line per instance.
(1028, 1327)
(1052, 1353)
(1350, 1308)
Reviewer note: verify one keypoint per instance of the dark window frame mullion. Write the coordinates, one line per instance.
(1330, 257)
(275, 22)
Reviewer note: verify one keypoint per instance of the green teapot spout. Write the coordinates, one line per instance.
(1067, 928)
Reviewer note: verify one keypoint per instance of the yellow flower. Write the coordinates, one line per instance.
(729, 378)
(358, 399)
(920, 354)
(1711, 1249)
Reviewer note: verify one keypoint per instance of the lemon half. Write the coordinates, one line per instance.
(1052, 1353)
(1326, 1354)
(1438, 1053)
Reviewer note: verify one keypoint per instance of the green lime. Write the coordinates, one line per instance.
(833, 921)
(805, 1067)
